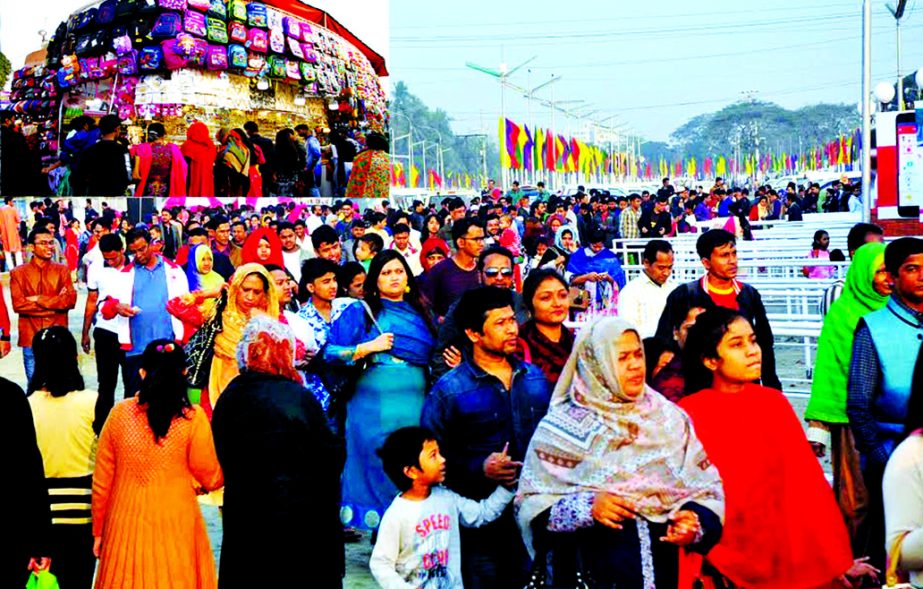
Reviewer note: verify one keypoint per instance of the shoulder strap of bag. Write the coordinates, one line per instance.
(371, 315)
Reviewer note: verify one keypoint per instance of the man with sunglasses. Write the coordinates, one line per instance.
(42, 293)
(495, 266)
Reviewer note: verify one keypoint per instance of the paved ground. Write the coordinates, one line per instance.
(357, 555)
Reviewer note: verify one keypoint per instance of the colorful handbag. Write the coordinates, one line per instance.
(258, 40)
(256, 15)
(194, 23)
(237, 56)
(218, 9)
(237, 9)
(295, 49)
(150, 59)
(108, 64)
(217, 30)
(169, 24)
(276, 41)
(200, 349)
(237, 32)
(276, 66)
(216, 58)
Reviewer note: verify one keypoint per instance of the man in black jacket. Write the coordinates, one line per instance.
(266, 146)
(104, 169)
(719, 288)
(656, 222)
(794, 209)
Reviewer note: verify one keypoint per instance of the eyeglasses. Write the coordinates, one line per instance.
(494, 272)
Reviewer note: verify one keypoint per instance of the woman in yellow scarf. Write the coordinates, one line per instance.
(251, 292)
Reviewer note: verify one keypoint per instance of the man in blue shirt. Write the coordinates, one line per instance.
(484, 413)
(147, 311)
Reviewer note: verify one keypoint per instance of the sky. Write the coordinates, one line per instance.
(20, 21)
(650, 65)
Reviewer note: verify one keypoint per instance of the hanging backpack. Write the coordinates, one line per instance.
(276, 66)
(258, 40)
(217, 58)
(237, 56)
(174, 58)
(83, 45)
(199, 51)
(140, 31)
(200, 5)
(168, 24)
(194, 23)
(121, 42)
(292, 70)
(276, 41)
(218, 9)
(310, 55)
(237, 32)
(126, 9)
(178, 5)
(256, 15)
(150, 58)
(237, 9)
(217, 31)
(255, 65)
(106, 12)
(294, 48)
(87, 19)
(128, 63)
(292, 27)
(307, 72)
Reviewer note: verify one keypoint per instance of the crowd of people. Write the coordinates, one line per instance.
(478, 385)
(97, 159)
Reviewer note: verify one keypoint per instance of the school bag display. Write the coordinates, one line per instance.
(217, 30)
(237, 32)
(218, 9)
(276, 41)
(168, 24)
(237, 9)
(237, 56)
(194, 23)
(258, 40)
(256, 15)
(216, 58)
(276, 65)
(150, 58)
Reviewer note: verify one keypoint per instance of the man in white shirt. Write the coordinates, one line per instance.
(101, 278)
(292, 254)
(94, 255)
(642, 300)
(401, 243)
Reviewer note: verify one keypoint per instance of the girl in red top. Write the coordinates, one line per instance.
(783, 527)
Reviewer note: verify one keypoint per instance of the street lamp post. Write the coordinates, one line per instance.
(898, 14)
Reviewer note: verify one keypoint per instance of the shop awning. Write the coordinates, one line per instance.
(320, 17)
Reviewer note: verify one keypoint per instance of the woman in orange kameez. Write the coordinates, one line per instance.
(155, 452)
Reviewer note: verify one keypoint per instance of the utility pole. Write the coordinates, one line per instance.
(866, 110)
(898, 14)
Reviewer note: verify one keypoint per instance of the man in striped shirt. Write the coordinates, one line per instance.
(628, 223)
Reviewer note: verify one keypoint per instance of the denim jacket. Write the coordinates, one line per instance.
(473, 415)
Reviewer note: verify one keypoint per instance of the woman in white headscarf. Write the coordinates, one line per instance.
(615, 480)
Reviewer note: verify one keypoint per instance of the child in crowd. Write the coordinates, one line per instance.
(366, 247)
(418, 540)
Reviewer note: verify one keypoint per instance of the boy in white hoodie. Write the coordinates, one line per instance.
(418, 544)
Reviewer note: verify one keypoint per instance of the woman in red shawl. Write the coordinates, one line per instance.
(263, 246)
(200, 154)
(782, 527)
(433, 251)
(72, 246)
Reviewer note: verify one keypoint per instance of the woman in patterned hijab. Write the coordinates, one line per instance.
(615, 479)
